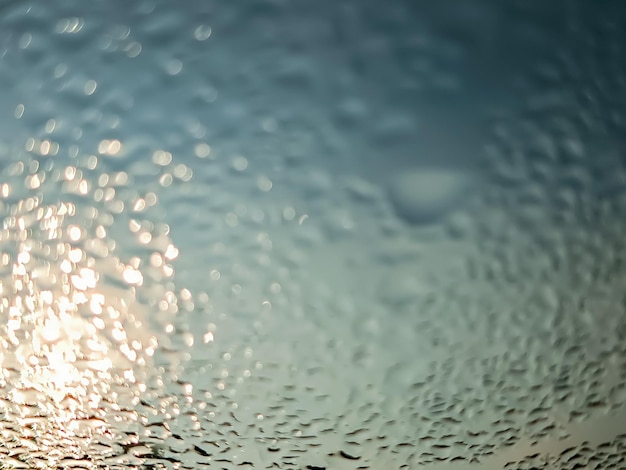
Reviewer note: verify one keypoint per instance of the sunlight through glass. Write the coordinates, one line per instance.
(73, 329)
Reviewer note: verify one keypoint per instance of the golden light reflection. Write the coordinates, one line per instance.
(72, 327)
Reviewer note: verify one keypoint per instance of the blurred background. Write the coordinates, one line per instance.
(312, 235)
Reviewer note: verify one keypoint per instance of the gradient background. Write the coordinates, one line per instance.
(401, 223)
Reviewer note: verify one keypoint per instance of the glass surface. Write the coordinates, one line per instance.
(312, 234)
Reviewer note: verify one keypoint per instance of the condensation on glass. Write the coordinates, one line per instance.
(321, 235)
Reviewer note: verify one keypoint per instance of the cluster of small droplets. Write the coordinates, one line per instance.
(77, 306)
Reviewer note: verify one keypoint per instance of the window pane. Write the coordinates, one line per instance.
(312, 234)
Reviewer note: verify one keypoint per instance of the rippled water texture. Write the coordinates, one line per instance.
(312, 234)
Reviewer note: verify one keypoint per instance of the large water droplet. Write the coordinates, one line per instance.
(425, 195)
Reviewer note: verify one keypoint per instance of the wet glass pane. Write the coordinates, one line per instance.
(312, 234)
